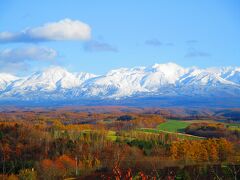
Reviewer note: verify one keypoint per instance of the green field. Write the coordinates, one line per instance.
(179, 135)
(169, 127)
(112, 135)
(173, 126)
(237, 125)
(233, 126)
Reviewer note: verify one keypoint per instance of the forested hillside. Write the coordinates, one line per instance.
(118, 145)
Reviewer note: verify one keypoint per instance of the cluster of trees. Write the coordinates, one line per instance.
(57, 151)
(20, 146)
(125, 118)
(211, 130)
(64, 166)
(210, 150)
(157, 138)
(137, 121)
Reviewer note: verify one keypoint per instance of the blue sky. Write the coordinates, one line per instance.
(117, 34)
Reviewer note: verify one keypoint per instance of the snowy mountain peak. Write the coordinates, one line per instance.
(6, 79)
(167, 79)
(164, 67)
(55, 69)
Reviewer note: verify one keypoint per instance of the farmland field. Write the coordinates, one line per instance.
(178, 135)
(173, 126)
(233, 126)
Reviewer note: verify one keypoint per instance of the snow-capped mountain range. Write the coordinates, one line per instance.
(161, 80)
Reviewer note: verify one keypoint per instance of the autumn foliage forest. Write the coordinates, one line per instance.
(116, 144)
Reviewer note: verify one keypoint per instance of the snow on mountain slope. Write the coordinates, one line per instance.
(126, 82)
(234, 76)
(54, 79)
(116, 83)
(158, 80)
(228, 73)
(208, 83)
(5, 80)
(161, 75)
(203, 78)
(48, 80)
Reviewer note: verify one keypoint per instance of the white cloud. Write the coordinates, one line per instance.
(27, 54)
(65, 29)
(19, 59)
(6, 35)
